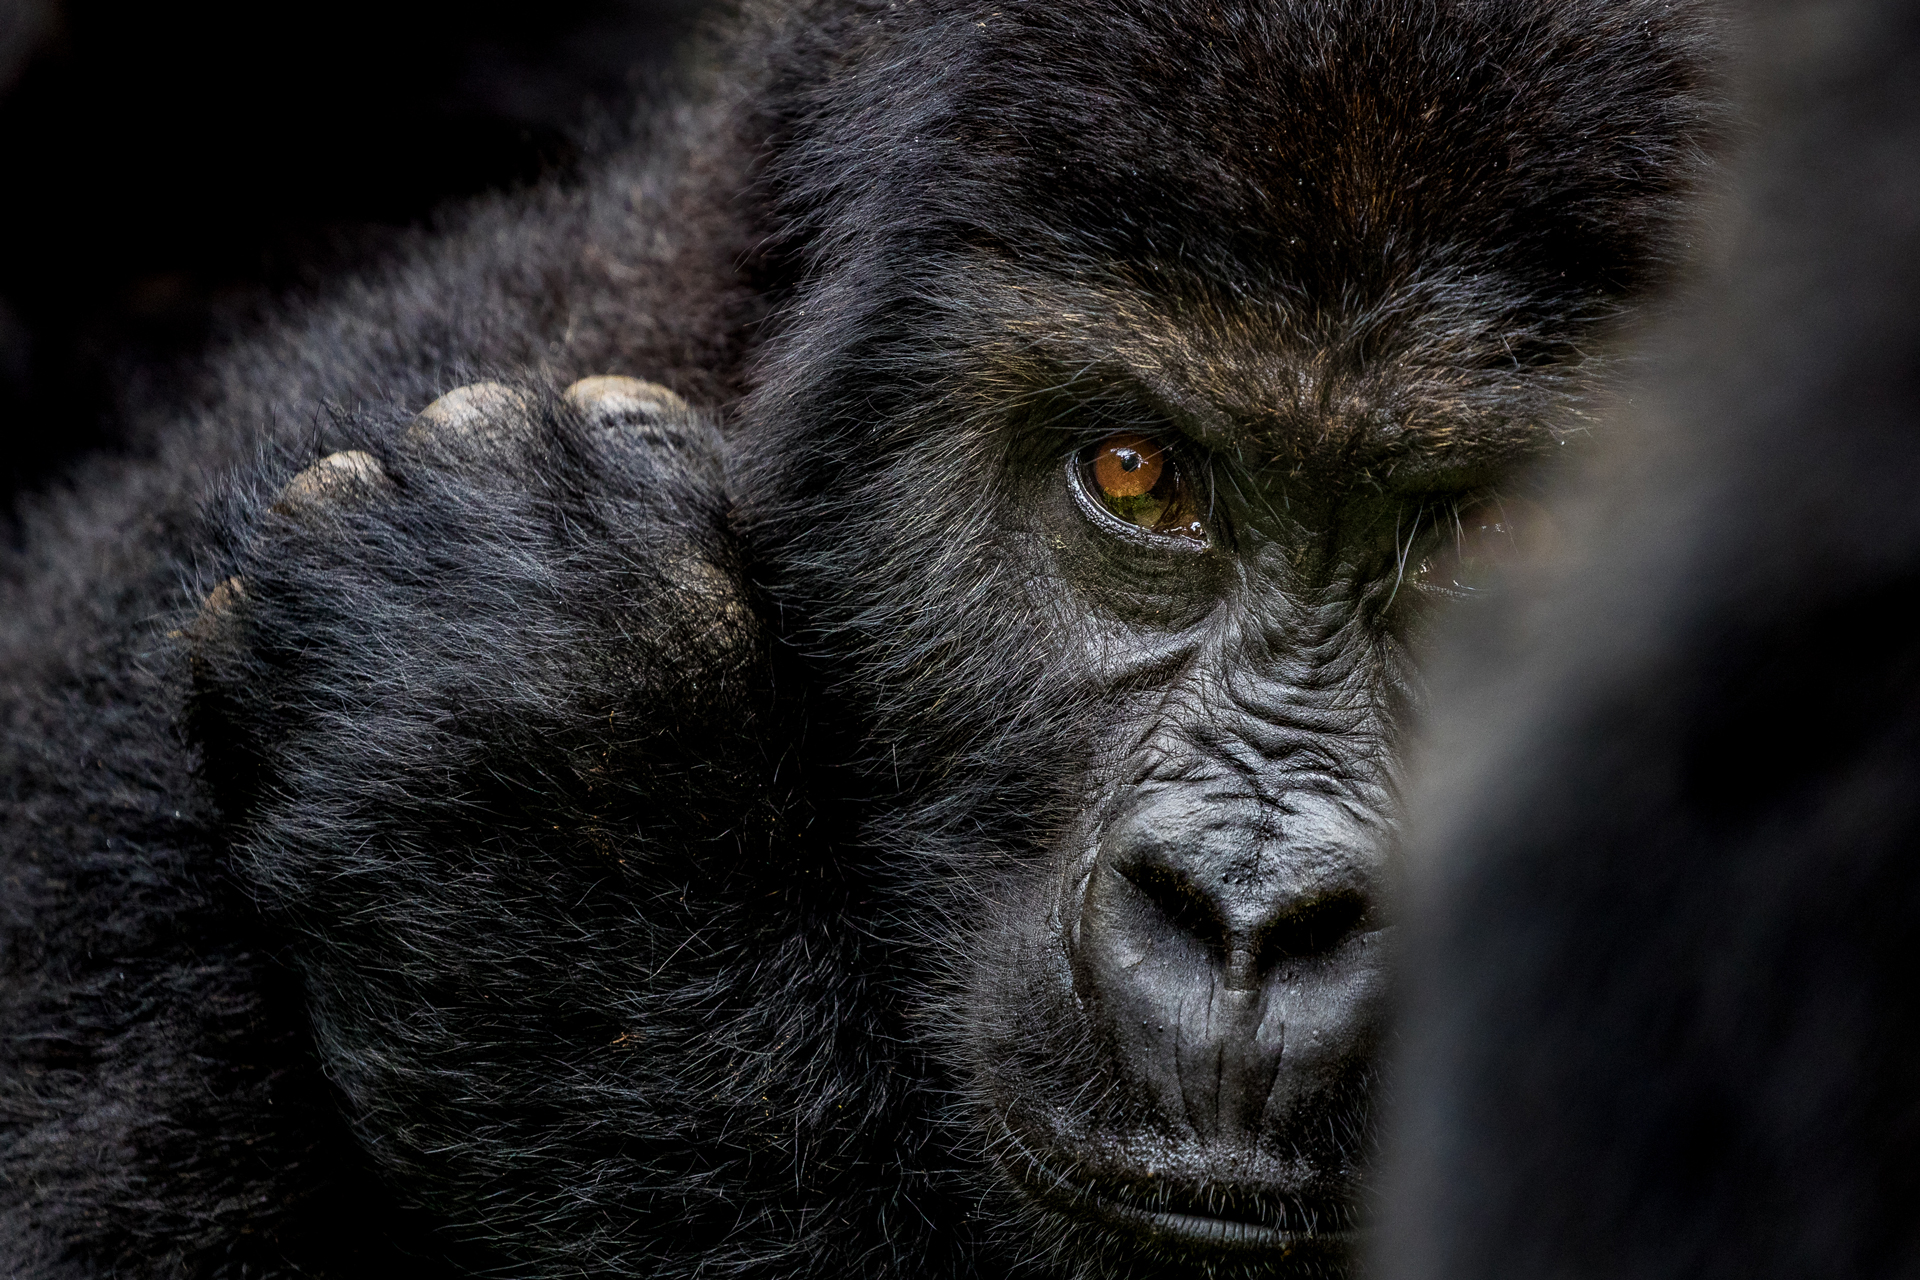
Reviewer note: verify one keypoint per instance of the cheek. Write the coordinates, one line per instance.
(972, 656)
(1108, 587)
(1020, 1019)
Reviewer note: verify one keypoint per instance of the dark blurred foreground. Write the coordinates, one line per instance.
(1662, 1013)
(167, 162)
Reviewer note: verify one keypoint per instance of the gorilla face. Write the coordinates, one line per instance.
(1151, 372)
(1175, 1026)
(1136, 636)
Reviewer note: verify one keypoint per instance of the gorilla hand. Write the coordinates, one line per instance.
(463, 691)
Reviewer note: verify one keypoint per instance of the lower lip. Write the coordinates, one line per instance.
(1220, 1235)
(1194, 1231)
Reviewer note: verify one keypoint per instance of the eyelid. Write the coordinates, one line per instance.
(1114, 395)
(1176, 413)
(1085, 435)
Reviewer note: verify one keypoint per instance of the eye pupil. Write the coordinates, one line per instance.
(1127, 465)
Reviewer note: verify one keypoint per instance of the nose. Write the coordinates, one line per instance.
(1215, 930)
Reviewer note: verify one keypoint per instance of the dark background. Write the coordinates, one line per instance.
(166, 164)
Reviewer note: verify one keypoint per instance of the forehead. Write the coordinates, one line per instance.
(1337, 146)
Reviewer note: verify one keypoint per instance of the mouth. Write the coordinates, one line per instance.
(1170, 1219)
(1200, 1233)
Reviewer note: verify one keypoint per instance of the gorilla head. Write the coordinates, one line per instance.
(1153, 370)
(921, 809)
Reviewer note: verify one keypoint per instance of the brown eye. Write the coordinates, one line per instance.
(1480, 541)
(1137, 479)
(1127, 465)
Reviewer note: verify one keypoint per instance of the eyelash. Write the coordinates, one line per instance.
(1488, 533)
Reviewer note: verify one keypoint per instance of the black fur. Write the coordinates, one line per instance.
(615, 855)
(1661, 1018)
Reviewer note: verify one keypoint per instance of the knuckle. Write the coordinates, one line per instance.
(218, 609)
(480, 412)
(328, 481)
(613, 401)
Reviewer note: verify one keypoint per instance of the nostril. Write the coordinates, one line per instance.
(1183, 904)
(1241, 949)
(1313, 927)
(1292, 930)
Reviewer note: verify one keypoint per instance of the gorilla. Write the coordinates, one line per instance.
(828, 699)
(1660, 1012)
